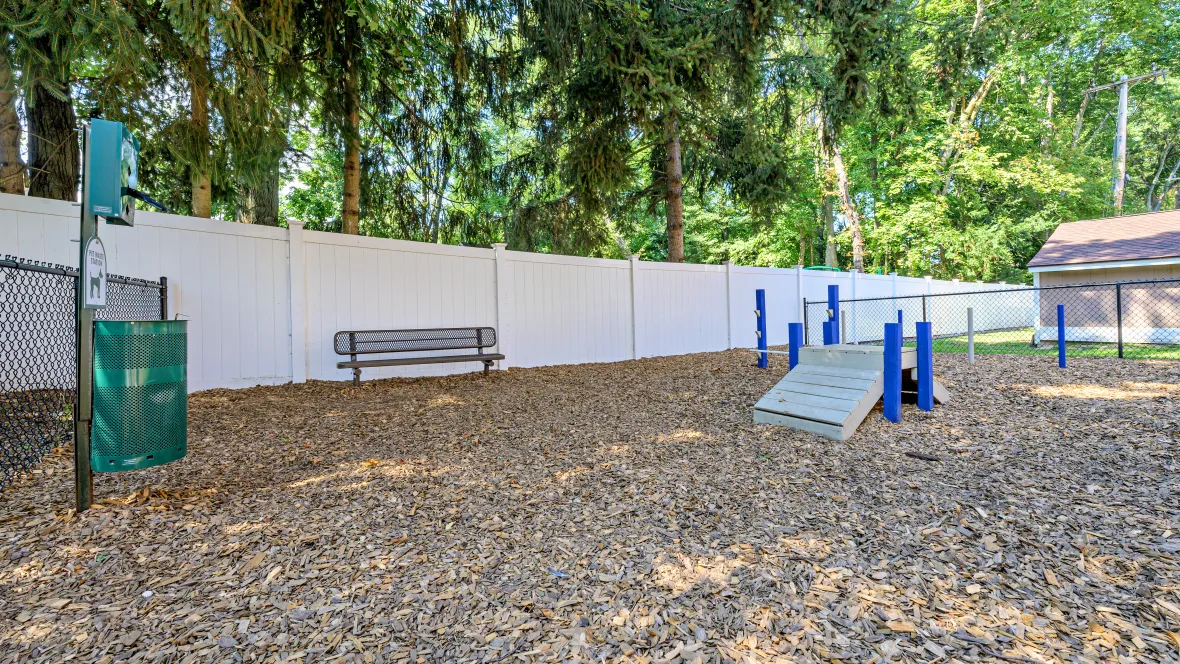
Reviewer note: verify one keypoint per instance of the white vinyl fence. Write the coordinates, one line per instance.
(264, 303)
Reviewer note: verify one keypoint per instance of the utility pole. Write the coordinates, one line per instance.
(1120, 149)
(1119, 155)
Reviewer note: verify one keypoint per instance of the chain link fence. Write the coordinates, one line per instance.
(37, 353)
(1130, 319)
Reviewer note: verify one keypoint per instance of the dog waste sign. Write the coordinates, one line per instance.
(94, 275)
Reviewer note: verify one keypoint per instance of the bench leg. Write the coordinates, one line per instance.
(356, 377)
(486, 365)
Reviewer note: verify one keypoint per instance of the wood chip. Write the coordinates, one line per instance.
(620, 512)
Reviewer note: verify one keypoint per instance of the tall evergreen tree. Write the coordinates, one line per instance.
(46, 43)
(12, 166)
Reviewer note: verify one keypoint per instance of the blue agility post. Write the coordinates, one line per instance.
(760, 311)
(834, 306)
(892, 396)
(925, 366)
(1061, 335)
(794, 341)
(900, 326)
(827, 332)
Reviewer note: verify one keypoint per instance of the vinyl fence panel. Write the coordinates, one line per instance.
(265, 303)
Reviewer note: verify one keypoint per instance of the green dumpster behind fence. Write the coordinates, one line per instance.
(140, 394)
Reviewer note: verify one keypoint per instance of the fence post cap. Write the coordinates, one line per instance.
(499, 246)
(727, 262)
(893, 274)
(294, 223)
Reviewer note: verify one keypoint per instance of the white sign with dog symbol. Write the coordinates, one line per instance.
(94, 275)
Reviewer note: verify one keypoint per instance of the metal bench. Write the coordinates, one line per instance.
(364, 342)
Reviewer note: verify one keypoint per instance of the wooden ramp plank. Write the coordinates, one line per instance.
(829, 370)
(817, 413)
(854, 357)
(835, 418)
(808, 399)
(941, 394)
(819, 390)
(826, 430)
(832, 381)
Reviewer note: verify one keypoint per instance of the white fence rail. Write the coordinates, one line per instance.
(264, 302)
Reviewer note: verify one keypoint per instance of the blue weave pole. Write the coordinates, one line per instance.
(760, 311)
(1061, 335)
(901, 326)
(925, 366)
(892, 396)
(794, 341)
(834, 305)
(827, 325)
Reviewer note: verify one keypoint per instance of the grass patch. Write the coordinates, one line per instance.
(1019, 342)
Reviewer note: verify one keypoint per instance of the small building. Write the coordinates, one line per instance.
(1130, 248)
(1086, 257)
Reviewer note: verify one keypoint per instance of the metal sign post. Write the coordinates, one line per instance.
(84, 339)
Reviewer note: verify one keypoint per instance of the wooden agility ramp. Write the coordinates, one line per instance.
(833, 388)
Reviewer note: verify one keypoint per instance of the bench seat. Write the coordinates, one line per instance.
(365, 342)
(406, 361)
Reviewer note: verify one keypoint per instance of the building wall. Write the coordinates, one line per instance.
(1110, 274)
(1150, 311)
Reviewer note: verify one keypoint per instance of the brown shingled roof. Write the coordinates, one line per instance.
(1129, 238)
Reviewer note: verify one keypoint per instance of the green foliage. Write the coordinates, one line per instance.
(315, 198)
(965, 128)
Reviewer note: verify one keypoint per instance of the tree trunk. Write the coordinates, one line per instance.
(1154, 202)
(53, 140)
(1049, 128)
(1077, 127)
(959, 139)
(351, 212)
(202, 185)
(829, 219)
(437, 218)
(350, 218)
(674, 204)
(1168, 185)
(848, 207)
(262, 201)
(12, 168)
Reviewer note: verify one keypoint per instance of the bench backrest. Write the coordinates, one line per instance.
(359, 342)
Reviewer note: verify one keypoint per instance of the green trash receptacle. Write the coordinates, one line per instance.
(140, 394)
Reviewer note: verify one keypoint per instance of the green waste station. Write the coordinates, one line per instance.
(131, 404)
(140, 394)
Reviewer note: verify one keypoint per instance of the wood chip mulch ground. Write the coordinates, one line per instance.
(621, 512)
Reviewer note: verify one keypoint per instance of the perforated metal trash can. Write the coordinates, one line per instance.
(140, 394)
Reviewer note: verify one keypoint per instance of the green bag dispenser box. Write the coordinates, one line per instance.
(140, 394)
(113, 169)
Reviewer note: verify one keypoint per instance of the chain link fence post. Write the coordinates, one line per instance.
(1118, 312)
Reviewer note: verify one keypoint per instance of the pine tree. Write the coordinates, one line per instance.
(214, 52)
(50, 40)
(12, 166)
